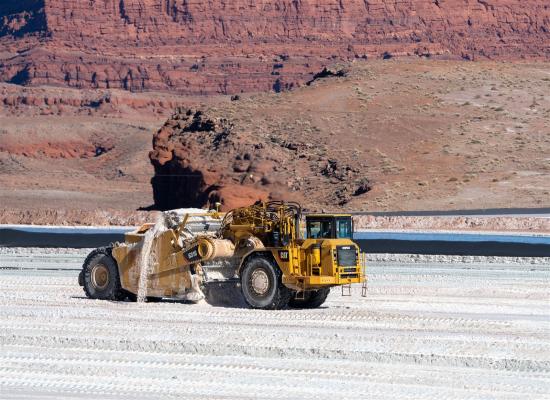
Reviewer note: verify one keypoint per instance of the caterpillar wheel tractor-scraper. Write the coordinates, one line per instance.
(264, 249)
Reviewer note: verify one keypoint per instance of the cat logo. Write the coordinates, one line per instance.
(283, 255)
(192, 254)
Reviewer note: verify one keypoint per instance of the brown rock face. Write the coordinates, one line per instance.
(188, 173)
(197, 47)
(203, 159)
(421, 134)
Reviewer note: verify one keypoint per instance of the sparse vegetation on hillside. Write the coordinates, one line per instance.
(424, 134)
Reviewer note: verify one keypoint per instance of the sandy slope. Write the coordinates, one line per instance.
(441, 331)
(428, 135)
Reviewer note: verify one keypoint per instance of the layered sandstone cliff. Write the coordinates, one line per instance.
(227, 47)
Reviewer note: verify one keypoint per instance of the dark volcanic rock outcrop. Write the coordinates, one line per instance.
(200, 47)
(200, 160)
(204, 158)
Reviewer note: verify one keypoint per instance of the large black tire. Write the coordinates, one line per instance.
(312, 299)
(261, 284)
(100, 277)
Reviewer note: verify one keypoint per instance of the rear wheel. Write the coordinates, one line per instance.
(261, 284)
(312, 299)
(100, 277)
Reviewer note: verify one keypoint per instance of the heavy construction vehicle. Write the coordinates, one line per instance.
(260, 247)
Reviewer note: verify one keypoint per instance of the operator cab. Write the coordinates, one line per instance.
(324, 226)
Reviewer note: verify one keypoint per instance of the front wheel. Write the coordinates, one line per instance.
(312, 299)
(261, 284)
(100, 277)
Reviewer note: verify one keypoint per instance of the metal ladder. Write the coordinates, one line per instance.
(300, 294)
(346, 290)
(364, 287)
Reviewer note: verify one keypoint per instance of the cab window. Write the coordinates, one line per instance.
(319, 229)
(343, 228)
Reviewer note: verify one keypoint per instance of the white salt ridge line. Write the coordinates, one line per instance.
(456, 232)
(59, 229)
(459, 336)
(24, 254)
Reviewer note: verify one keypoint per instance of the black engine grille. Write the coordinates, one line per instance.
(347, 256)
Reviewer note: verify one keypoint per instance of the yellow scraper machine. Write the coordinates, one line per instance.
(264, 248)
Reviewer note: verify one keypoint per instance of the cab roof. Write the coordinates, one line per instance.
(327, 215)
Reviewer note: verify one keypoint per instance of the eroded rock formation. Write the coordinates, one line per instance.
(201, 159)
(197, 47)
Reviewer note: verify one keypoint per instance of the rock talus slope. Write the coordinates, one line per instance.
(199, 159)
(386, 134)
(197, 47)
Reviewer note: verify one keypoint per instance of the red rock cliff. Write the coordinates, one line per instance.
(226, 47)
